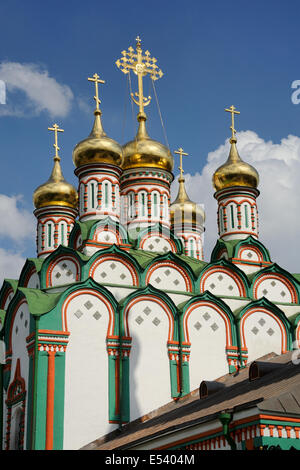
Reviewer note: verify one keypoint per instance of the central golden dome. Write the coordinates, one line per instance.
(235, 172)
(56, 191)
(185, 211)
(145, 152)
(97, 147)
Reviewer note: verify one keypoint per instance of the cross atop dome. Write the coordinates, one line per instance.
(96, 79)
(180, 152)
(233, 111)
(56, 129)
(141, 66)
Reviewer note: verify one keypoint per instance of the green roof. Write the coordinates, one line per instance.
(13, 282)
(39, 302)
(38, 262)
(143, 257)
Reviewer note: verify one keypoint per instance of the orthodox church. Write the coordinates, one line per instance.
(118, 314)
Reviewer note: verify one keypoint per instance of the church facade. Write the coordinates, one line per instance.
(119, 313)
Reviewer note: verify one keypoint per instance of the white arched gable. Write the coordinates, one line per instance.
(262, 332)
(88, 316)
(169, 277)
(207, 329)
(64, 271)
(149, 324)
(106, 236)
(112, 270)
(33, 281)
(222, 282)
(274, 288)
(157, 244)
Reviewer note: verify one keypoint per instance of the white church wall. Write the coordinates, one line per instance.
(149, 363)
(86, 371)
(262, 333)
(207, 335)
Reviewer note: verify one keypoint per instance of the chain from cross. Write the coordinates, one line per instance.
(55, 129)
(141, 66)
(96, 80)
(180, 152)
(233, 111)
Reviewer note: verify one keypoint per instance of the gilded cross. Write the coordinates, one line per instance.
(233, 111)
(96, 79)
(55, 129)
(180, 152)
(141, 66)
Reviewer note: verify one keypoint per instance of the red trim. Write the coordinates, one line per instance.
(50, 400)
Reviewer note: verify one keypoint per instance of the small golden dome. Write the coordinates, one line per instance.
(183, 210)
(144, 152)
(97, 147)
(56, 191)
(235, 172)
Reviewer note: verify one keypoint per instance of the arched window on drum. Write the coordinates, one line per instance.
(142, 204)
(155, 204)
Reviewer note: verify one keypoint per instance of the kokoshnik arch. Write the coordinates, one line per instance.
(118, 313)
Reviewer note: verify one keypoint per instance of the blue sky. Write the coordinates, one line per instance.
(213, 54)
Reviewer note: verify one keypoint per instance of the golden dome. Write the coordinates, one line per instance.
(97, 147)
(183, 210)
(235, 172)
(56, 191)
(144, 152)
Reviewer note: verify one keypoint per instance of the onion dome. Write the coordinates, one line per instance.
(56, 191)
(183, 210)
(145, 152)
(235, 172)
(97, 147)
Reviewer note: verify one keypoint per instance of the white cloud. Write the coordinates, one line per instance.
(40, 92)
(11, 264)
(17, 224)
(278, 166)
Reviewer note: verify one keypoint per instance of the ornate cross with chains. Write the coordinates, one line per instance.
(233, 111)
(180, 152)
(141, 66)
(55, 129)
(96, 79)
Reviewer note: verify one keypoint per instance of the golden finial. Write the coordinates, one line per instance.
(141, 66)
(96, 79)
(56, 129)
(233, 111)
(180, 152)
